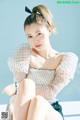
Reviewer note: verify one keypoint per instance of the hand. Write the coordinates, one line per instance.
(10, 89)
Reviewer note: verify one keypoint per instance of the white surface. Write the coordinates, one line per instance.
(3, 107)
(73, 118)
(71, 108)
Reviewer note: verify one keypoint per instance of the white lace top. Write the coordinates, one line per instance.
(48, 82)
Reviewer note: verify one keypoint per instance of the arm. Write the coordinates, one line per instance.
(64, 72)
(18, 64)
(11, 89)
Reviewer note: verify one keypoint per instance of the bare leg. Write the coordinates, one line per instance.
(23, 98)
(27, 106)
(36, 109)
(40, 109)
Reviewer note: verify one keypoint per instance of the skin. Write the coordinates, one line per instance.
(38, 39)
(42, 52)
(28, 105)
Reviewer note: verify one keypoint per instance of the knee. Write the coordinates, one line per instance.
(38, 101)
(27, 84)
(39, 98)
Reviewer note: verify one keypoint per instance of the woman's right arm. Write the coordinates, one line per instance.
(18, 64)
(12, 88)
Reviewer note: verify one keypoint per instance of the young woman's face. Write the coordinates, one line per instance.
(38, 36)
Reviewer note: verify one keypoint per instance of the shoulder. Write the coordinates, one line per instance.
(67, 65)
(69, 61)
(19, 57)
(67, 55)
(70, 56)
(63, 59)
(66, 59)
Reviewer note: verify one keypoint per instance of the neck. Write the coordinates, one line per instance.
(46, 53)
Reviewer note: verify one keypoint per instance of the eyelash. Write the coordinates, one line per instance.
(31, 36)
(39, 33)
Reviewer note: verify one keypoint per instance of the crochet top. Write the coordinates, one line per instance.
(48, 82)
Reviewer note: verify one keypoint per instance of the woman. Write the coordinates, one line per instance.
(39, 71)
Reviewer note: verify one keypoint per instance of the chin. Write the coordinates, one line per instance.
(39, 49)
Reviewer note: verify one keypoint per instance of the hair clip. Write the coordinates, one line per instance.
(38, 13)
(28, 10)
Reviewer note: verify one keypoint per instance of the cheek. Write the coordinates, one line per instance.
(42, 38)
(30, 42)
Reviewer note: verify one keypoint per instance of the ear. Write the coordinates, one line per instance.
(49, 29)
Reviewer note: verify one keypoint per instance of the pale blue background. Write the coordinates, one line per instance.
(67, 18)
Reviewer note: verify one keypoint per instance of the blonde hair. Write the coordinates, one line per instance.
(41, 15)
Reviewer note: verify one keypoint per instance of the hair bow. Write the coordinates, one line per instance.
(28, 10)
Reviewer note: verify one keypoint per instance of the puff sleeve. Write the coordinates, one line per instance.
(64, 72)
(19, 62)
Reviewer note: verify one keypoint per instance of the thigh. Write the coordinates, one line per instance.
(52, 113)
(44, 109)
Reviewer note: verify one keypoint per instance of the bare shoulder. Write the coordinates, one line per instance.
(58, 59)
(69, 57)
(59, 55)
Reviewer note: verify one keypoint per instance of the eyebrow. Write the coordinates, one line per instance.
(35, 32)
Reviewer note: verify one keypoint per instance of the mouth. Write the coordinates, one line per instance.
(37, 46)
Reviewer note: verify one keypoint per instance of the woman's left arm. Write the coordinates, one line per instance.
(64, 72)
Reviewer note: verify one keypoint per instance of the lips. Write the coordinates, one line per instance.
(37, 45)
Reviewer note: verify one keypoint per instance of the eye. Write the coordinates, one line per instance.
(29, 37)
(39, 34)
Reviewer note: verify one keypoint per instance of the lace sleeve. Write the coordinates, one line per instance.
(64, 72)
(19, 62)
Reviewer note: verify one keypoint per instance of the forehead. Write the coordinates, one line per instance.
(33, 28)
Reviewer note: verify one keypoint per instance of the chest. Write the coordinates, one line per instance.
(39, 62)
(41, 76)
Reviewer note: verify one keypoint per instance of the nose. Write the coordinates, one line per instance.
(36, 39)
